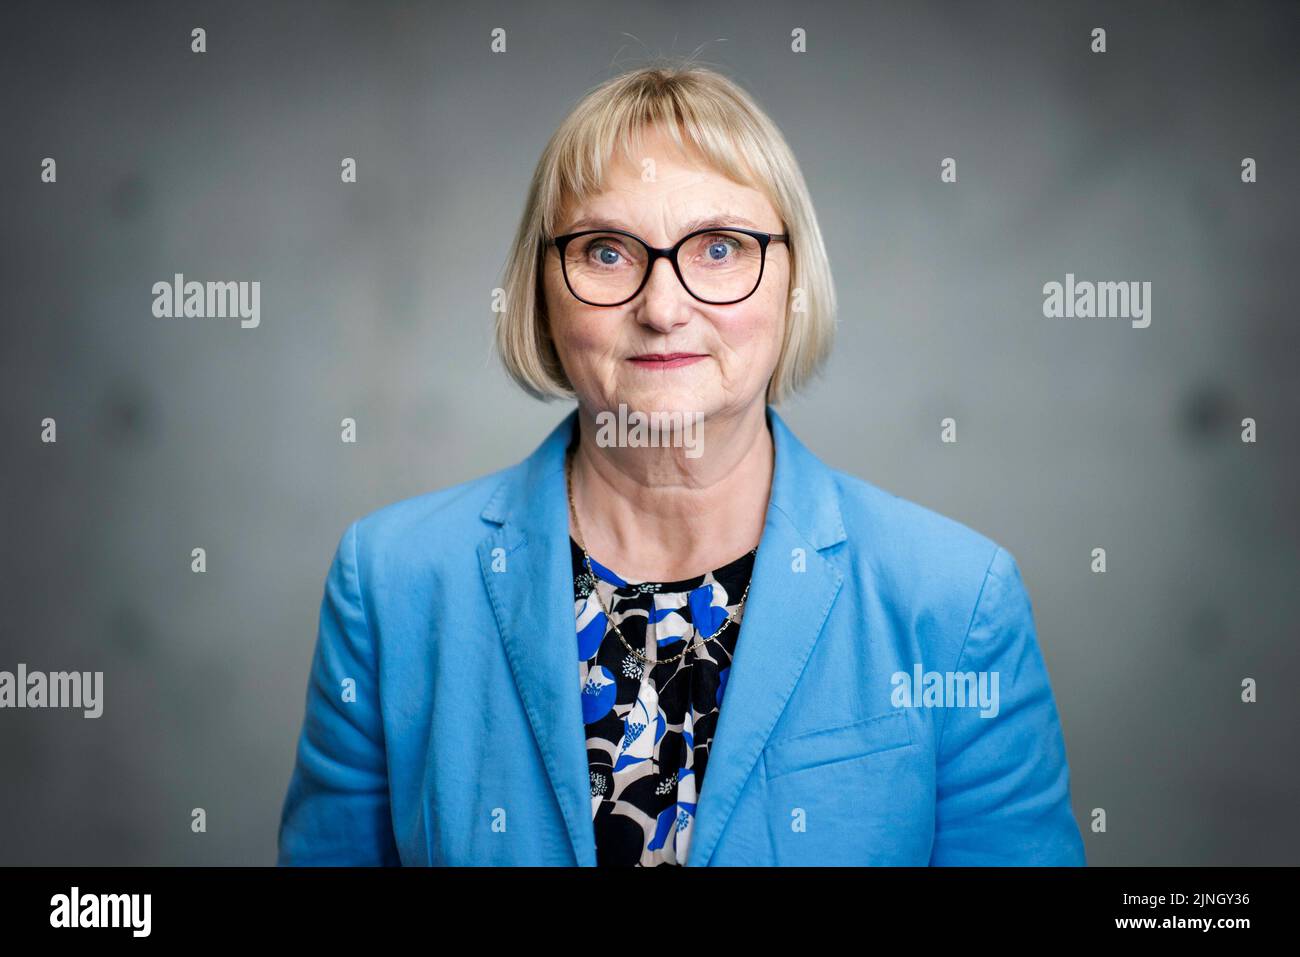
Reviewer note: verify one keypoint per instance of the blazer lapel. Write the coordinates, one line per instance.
(526, 568)
(782, 620)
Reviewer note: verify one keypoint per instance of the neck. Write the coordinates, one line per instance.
(659, 514)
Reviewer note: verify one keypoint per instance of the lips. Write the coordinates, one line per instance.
(666, 360)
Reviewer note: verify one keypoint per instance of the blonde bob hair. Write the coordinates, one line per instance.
(695, 106)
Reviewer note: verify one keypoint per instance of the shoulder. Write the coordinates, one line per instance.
(922, 565)
(457, 507)
(907, 533)
(893, 546)
(423, 533)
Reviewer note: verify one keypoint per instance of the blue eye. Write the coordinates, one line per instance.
(603, 251)
(719, 249)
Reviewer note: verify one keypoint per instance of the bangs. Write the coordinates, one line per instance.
(595, 138)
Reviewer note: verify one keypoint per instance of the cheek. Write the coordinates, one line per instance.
(754, 330)
(558, 310)
(580, 333)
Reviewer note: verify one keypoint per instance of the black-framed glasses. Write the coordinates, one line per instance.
(608, 267)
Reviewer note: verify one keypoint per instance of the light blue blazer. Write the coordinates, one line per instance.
(443, 717)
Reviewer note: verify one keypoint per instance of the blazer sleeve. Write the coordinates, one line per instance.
(1003, 784)
(337, 811)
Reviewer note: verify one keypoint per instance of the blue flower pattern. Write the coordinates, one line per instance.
(649, 727)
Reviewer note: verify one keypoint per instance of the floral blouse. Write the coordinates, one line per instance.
(649, 726)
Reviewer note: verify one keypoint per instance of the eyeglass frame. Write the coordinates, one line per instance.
(670, 253)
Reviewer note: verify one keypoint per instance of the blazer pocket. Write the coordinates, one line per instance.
(809, 749)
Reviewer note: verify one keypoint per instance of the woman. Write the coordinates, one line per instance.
(885, 701)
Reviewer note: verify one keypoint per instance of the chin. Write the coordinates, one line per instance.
(664, 400)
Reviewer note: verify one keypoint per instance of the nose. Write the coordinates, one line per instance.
(664, 302)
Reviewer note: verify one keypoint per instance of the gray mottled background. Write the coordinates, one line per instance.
(375, 304)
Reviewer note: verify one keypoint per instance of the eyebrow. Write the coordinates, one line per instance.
(712, 221)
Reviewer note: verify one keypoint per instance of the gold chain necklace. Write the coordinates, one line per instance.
(586, 559)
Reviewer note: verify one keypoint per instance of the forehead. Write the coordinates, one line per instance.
(656, 181)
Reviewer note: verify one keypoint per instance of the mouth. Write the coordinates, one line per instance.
(666, 360)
